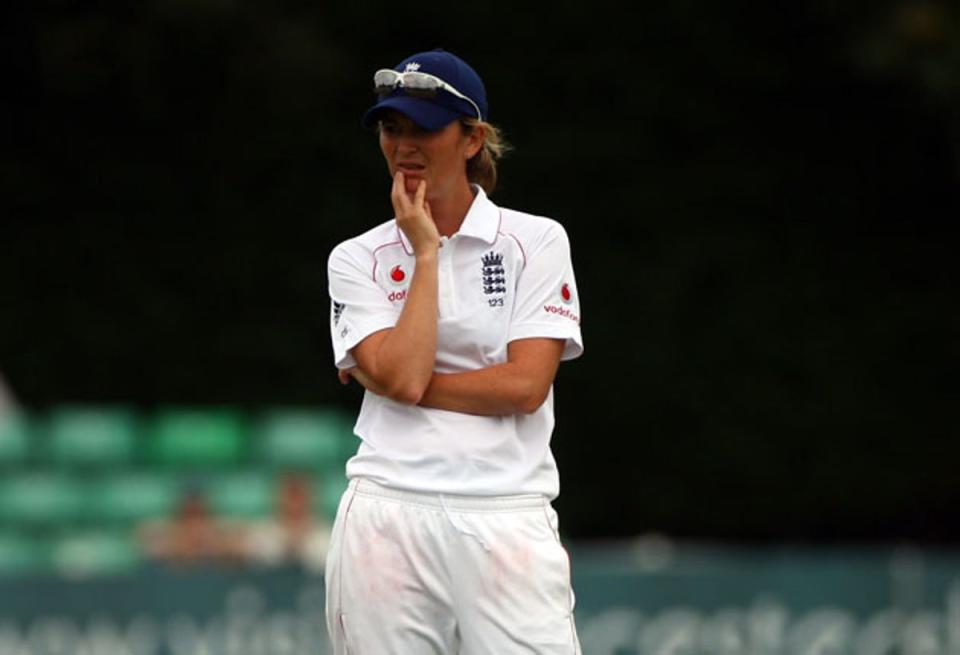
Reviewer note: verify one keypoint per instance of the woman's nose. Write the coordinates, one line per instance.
(406, 146)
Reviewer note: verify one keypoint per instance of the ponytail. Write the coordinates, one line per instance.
(482, 167)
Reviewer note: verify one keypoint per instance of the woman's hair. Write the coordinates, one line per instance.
(482, 167)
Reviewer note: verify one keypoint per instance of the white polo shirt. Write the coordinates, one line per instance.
(505, 275)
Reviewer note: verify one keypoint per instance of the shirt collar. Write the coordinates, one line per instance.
(481, 222)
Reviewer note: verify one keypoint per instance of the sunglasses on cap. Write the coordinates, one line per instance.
(415, 83)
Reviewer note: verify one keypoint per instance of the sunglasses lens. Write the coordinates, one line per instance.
(420, 85)
(421, 82)
(385, 81)
(385, 77)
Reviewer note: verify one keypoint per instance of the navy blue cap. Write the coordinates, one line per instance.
(444, 108)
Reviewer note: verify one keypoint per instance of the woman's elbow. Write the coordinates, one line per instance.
(406, 394)
(532, 400)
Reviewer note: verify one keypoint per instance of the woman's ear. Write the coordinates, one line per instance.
(475, 140)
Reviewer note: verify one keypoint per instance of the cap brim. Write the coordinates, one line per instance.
(425, 112)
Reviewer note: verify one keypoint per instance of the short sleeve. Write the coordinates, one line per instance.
(547, 303)
(358, 305)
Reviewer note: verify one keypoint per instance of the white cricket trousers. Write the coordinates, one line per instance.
(424, 574)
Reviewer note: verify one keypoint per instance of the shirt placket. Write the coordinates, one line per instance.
(447, 291)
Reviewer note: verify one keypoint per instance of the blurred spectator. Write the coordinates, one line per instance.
(7, 402)
(295, 534)
(192, 536)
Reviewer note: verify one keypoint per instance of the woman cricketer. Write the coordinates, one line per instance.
(454, 316)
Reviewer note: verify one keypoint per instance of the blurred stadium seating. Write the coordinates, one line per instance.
(75, 481)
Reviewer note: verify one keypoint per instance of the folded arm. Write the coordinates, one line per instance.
(398, 362)
(518, 386)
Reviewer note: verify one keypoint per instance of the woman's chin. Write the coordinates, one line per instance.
(412, 183)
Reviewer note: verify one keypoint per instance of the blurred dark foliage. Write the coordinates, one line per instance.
(761, 200)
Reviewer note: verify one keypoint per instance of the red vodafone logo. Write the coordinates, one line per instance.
(561, 311)
(566, 293)
(397, 275)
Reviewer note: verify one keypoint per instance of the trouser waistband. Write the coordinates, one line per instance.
(455, 502)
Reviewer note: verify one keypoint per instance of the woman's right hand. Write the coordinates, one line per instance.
(413, 215)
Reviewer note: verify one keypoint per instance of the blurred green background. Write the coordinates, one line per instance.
(761, 201)
(80, 483)
(759, 448)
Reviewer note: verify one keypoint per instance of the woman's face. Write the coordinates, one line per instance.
(439, 157)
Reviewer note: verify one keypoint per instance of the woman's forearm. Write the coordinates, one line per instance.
(402, 359)
(493, 391)
(519, 386)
